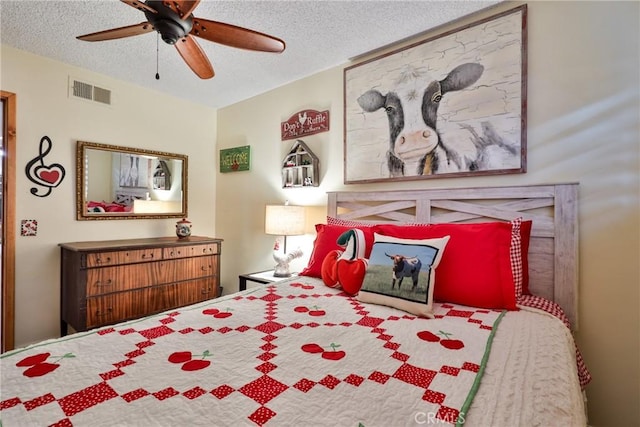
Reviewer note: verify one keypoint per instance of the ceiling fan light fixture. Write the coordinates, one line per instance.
(167, 18)
(170, 32)
(168, 23)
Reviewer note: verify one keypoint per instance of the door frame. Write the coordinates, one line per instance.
(9, 221)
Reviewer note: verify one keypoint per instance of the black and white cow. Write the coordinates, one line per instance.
(415, 146)
(404, 266)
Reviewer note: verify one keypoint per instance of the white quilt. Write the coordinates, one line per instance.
(299, 353)
(531, 377)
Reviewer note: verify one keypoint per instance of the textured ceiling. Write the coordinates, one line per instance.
(319, 35)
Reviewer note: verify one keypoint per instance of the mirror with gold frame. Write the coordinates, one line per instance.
(114, 182)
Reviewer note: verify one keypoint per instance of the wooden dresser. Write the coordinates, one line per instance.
(107, 282)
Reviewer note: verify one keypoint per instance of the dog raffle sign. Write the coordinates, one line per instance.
(305, 122)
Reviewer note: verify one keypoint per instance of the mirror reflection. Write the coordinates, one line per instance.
(121, 183)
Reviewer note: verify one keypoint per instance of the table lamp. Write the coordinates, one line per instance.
(284, 220)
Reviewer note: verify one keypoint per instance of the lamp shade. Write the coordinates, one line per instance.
(284, 220)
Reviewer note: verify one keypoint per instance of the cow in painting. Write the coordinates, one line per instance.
(415, 146)
(404, 266)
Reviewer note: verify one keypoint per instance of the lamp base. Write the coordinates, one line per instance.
(282, 275)
(282, 270)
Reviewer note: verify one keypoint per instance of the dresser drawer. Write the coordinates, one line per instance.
(101, 311)
(115, 279)
(101, 259)
(180, 294)
(190, 251)
(195, 291)
(113, 308)
(199, 267)
(121, 306)
(187, 268)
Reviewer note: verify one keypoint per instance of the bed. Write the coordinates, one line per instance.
(300, 352)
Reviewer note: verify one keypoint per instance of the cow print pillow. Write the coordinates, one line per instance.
(402, 273)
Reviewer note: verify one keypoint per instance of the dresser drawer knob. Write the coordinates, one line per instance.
(106, 261)
(145, 256)
(206, 291)
(105, 313)
(107, 282)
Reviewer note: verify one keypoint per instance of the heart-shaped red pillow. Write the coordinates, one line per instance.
(346, 268)
(351, 274)
(329, 269)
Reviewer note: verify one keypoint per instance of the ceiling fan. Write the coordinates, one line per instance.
(176, 24)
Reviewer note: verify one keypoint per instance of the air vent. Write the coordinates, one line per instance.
(102, 95)
(89, 92)
(82, 90)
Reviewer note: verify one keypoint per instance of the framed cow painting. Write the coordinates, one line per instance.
(451, 105)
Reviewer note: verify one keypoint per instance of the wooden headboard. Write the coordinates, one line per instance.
(553, 251)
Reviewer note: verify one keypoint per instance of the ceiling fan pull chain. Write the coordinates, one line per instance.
(157, 57)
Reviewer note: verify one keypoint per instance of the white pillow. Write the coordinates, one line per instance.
(394, 265)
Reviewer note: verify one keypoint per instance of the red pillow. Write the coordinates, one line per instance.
(476, 267)
(326, 241)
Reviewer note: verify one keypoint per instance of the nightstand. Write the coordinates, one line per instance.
(261, 277)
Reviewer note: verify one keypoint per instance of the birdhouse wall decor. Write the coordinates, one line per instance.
(300, 167)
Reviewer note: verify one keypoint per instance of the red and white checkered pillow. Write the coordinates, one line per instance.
(348, 222)
(515, 255)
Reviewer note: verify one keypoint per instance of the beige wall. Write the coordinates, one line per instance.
(583, 125)
(583, 109)
(138, 118)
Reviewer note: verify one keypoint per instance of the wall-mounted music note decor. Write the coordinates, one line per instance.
(48, 176)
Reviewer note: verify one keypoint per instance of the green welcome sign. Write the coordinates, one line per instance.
(235, 159)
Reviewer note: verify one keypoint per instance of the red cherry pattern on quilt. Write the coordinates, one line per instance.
(38, 365)
(314, 311)
(277, 303)
(189, 361)
(217, 313)
(332, 354)
(445, 341)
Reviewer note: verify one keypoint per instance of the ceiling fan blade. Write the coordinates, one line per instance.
(195, 57)
(233, 36)
(139, 5)
(118, 33)
(183, 8)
